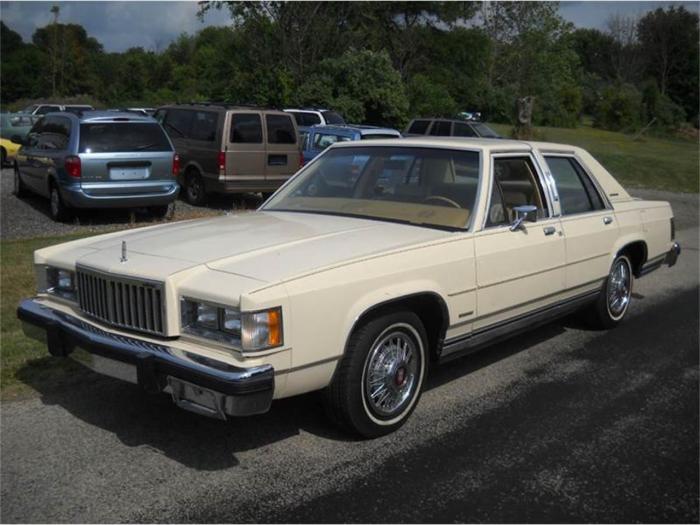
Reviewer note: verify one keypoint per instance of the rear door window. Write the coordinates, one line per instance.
(178, 122)
(204, 126)
(577, 194)
(246, 128)
(280, 129)
(112, 137)
(441, 128)
(419, 127)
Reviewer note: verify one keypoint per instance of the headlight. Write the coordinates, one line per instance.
(249, 331)
(60, 283)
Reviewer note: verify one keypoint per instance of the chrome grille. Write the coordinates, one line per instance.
(122, 302)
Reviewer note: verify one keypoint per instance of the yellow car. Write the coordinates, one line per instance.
(8, 150)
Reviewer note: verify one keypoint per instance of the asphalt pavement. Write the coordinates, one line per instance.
(563, 424)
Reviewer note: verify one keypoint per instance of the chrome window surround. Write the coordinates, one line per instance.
(572, 156)
(540, 179)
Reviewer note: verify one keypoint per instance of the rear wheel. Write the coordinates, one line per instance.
(380, 378)
(59, 211)
(194, 189)
(20, 189)
(614, 300)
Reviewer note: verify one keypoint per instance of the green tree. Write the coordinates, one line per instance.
(361, 84)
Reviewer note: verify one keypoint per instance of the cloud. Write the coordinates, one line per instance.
(153, 25)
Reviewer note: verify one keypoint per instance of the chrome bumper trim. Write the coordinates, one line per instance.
(242, 391)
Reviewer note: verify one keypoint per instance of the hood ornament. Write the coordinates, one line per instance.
(123, 258)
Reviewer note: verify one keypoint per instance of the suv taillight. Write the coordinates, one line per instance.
(176, 165)
(222, 162)
(72, 165)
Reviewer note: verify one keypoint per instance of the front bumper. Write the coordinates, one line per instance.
(197, 383)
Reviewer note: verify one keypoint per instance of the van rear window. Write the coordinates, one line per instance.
(112, 137)
(280, 130)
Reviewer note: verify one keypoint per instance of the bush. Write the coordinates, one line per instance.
(619, 108)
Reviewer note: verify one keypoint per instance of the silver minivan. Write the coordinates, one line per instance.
(98, 159)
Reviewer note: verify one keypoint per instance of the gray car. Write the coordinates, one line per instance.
(98, 159)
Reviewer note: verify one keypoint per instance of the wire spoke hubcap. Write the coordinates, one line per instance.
(619, 288)
(391, 373)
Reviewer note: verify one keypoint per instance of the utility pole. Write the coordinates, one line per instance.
(54, 48)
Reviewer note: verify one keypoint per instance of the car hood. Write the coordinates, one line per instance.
(265, 246)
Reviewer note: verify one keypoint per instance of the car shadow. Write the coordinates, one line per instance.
(139, 419)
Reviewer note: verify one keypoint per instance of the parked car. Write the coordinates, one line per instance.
(98, 160)
(231, 149)
(353, 280)
(441, 127)
(13, 124)
(306, 117)
(43, 109)
(318, 138)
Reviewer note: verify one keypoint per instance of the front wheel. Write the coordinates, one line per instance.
(380, 378)
(614, 300)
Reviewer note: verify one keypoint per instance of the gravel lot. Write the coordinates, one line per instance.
(29, 217)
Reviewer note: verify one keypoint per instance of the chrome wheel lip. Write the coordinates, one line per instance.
(619, 289)
(392, 373)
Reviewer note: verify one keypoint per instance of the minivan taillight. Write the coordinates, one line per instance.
(72, 165)
(222, 162)
(176, 165)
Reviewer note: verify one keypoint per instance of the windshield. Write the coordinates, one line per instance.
(333, 118)
(111, 137)
(422, 186)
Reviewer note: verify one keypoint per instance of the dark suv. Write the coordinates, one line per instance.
(443, 127)
(231, 149)
(98, 160)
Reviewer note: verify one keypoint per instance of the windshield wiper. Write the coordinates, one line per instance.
(144, 146)
(174, 129)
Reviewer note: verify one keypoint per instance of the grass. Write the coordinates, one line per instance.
(648, 162)
(25, 363)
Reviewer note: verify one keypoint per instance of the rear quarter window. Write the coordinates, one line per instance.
(112, 137)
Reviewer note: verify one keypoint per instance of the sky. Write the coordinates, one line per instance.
(153, 25)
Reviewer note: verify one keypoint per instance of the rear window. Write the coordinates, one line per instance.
(332, 117)
(323, 140)
(280, 129)
(463, 130)
(419, 127)
(112, 137)
(246, 128)
(376, 136)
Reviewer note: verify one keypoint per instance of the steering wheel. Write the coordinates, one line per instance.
(442, 199)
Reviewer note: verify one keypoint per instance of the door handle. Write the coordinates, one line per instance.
(549, 230)
(607, 220)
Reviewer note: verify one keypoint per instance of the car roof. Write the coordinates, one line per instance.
(352, 128)
(488, 145)
(102, 116)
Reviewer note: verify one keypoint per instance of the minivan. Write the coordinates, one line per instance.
(231, 148)
(99, 159)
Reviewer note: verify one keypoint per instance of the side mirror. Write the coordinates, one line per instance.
(17, 139)
(521, 213)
